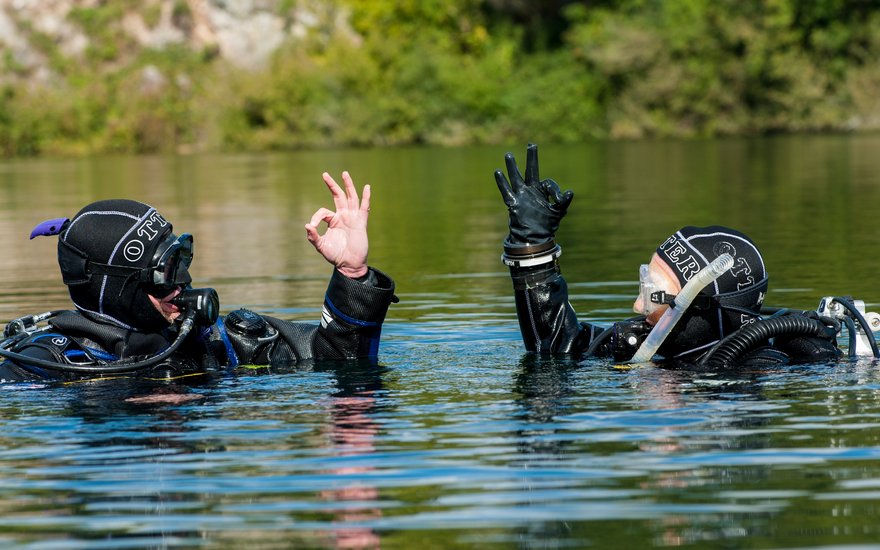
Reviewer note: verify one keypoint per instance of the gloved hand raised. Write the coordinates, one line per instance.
(535, 207)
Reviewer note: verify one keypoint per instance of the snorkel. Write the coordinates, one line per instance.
(671, 317)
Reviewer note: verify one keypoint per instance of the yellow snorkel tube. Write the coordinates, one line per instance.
(667, 322)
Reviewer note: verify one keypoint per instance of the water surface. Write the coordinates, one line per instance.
(456, 439)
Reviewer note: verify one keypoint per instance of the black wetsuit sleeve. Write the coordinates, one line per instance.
(351, 321)
(352, 316)
(547, 321)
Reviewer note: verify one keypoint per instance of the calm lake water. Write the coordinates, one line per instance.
(457, 439)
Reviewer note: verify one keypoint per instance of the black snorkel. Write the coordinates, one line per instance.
(200, 307)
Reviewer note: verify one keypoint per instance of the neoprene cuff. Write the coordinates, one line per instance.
(365, 301)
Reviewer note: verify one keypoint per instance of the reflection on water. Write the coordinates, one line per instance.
(457, 439)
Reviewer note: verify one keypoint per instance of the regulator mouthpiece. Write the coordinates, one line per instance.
(202, 304)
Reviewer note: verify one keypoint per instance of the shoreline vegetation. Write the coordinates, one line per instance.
(444, 72)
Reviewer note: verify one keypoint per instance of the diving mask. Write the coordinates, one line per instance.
(173, 253)
(651, 291)
(167, 270)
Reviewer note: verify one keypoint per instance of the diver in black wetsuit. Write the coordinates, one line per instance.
(726, 313)
(127, 275)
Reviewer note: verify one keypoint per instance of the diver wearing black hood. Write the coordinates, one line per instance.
(127, 274)
(104, 250)
(730, 302)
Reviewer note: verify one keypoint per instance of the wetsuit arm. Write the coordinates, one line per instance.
(547, 321)
(535, 207)
(351, 323)
(352, 316)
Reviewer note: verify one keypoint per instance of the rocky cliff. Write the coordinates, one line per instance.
(35, 34)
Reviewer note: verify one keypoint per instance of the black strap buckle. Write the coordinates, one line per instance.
(662, 297)
(701, 301)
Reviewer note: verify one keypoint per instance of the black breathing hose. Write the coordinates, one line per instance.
(200, 305)
(599, 340)
(851, 330)
(114, 368)
(848, 304)
(734, 346)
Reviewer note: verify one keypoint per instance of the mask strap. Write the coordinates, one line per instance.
(662, 297)
(701, 301)
(132, 275)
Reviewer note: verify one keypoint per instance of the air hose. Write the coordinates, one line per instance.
(854, 311)
(112, 368)
(736, 345)
(199, 305)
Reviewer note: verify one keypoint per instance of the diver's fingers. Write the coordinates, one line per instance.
(350, 191)
(532, 164)
(504, 187)
(312, 234)
(516, 179)
(339, 199)
(365, 199)
(566, 200)
(551, 189)
(323, 214)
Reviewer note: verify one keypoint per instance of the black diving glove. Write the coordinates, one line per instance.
(535, 207)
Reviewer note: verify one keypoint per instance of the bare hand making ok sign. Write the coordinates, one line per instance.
(345, 242)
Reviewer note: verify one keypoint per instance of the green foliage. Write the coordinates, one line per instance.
(103, 24)
(457, 72)
(695, 67)
(420, 72)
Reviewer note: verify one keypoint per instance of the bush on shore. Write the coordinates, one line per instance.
(454, 72)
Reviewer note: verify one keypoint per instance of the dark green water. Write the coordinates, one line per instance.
(458, 440)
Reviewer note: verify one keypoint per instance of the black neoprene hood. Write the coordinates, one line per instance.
(735, 298)
(118, 232)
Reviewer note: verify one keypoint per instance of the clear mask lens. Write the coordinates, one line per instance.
(645, 290)
(648, 285)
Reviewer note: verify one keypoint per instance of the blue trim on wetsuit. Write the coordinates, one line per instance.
(84, 352)
(374, 342)
(376, 332)
(231, 356)
(345, 317)
(96, 353)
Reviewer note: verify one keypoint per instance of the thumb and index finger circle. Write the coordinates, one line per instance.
(551, 188)
(566, 199)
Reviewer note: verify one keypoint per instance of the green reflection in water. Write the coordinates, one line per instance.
(462, 443)
(437, 220)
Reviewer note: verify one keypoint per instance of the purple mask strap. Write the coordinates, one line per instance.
(50, 227)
